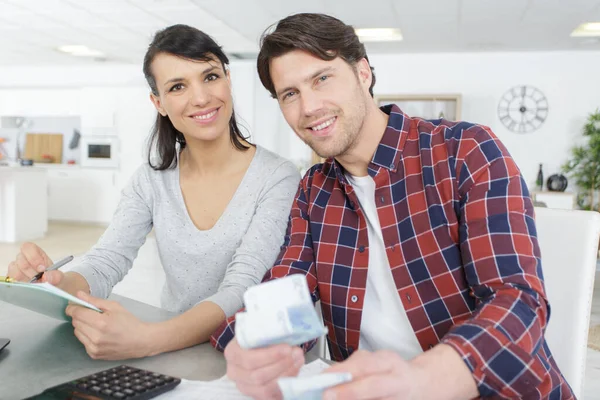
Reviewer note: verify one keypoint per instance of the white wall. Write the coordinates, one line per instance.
(117, 94)
(570, 81)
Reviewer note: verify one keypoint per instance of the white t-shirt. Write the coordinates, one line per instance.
(384, 324)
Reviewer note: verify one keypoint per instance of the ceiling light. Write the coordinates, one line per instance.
(379, 34)
(587, 29)
(80, 51)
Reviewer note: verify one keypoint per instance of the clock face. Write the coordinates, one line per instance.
(523, 109)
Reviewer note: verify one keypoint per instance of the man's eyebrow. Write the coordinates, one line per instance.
(308, 79)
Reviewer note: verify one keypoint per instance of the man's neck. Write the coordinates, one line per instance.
(356, 160)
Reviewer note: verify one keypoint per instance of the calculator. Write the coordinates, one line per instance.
(122, 382)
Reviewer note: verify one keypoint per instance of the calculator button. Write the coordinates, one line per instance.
(149, 385)
(116, 388)
(118, 395)
(83, 385)
(159, 382)
(94, 382)
(107, 392)
(127, 384)
(139, 388)
(105, 386)
(128, 392)
(95, 388)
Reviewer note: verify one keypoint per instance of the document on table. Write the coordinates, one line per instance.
(223, 388)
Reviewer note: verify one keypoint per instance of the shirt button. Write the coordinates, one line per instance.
(392, 166)
(408, 298)
(361, 249)
(351, 204)
(354, 298)
(382, 199)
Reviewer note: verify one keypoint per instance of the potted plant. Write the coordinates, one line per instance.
(584, 166)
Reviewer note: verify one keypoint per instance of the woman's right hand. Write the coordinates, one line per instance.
(30, 261)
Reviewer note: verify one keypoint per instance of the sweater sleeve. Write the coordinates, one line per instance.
(107, 263)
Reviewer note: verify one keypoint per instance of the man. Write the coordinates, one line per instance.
(418, 238)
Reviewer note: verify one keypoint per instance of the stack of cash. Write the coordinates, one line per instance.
(282, 311)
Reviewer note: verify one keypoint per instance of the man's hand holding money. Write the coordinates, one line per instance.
(256, 371)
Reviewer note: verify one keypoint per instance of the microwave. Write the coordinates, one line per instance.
(100, 151)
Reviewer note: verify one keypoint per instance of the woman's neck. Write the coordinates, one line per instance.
(217, 157)
(207, 157)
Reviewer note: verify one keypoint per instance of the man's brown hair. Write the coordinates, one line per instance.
(321, 35)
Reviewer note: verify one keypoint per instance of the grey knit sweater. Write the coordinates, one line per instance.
(215, 265)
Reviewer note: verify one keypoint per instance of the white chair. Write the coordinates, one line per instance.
(569, 246)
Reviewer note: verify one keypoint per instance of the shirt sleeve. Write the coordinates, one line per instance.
(107, 263)
(296, 257)
(501, 257)
(262, 241)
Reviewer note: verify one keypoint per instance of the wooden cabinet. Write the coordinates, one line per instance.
(561, 200)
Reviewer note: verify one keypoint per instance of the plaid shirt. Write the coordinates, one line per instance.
(459, 232)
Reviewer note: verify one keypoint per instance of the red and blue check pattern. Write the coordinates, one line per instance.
(459, 230)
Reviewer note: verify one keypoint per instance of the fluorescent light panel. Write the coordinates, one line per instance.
(80, 51)
(379, 34)
(587, 29)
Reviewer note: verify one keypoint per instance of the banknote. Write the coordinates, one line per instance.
(310, 387)
(277, 294)
(278, 311)
(294, 325)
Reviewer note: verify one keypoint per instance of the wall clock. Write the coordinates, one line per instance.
(523, 109)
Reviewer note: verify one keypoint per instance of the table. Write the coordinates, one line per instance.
(44, 352)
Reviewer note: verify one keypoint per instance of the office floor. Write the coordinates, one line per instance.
(63, 239)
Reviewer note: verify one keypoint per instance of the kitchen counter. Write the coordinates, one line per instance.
(23, 203)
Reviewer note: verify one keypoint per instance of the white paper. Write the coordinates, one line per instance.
(223, 388)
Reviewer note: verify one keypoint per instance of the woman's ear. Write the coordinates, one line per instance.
(157, 104)
(228, 77)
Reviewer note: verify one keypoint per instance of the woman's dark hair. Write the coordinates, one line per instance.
(321, 35)
(192, 44)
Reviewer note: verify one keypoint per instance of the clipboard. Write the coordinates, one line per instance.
(42, 298)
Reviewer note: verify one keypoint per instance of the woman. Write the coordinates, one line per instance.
(218, 204)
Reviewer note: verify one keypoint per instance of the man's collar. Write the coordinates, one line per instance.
(389, 151)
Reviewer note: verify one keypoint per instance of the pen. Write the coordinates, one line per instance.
(7, 279)
(54, 266)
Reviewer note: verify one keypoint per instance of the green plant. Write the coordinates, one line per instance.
(584, 166)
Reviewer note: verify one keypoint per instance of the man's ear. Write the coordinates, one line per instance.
(365, 75)
(157, 104)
